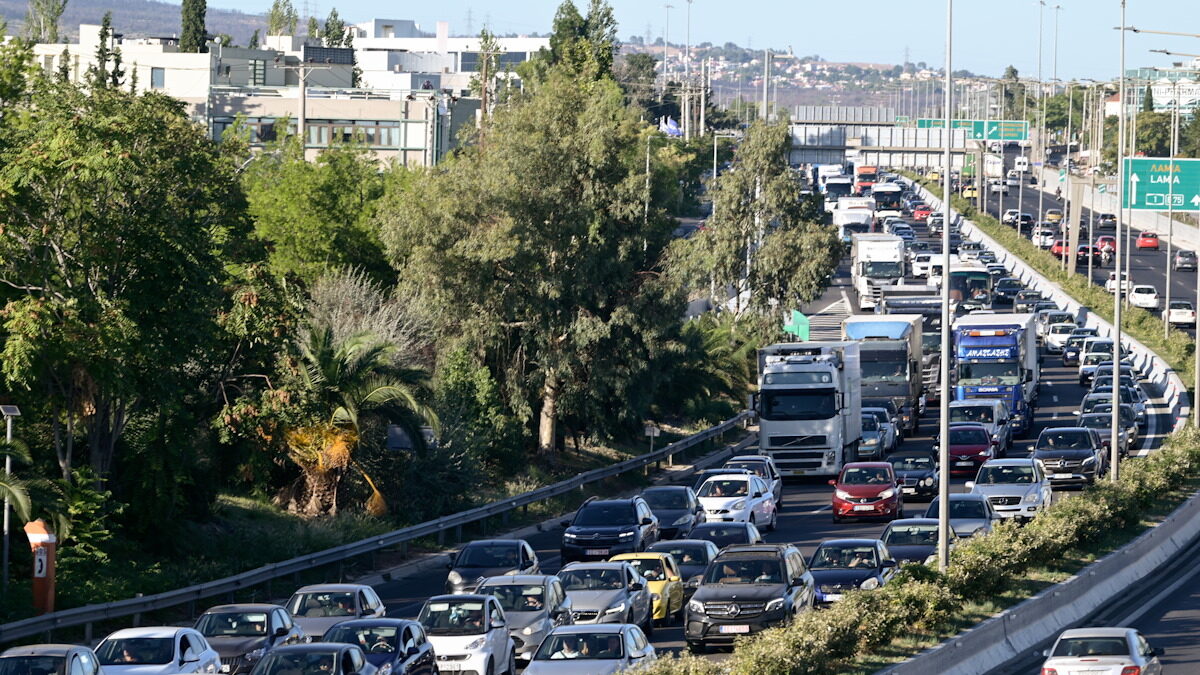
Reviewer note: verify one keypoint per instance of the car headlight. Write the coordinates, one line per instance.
(1031, 497)
(454, 578)
(626, 536)
(841, 494)
(985, 453)
(887, 494)
(870, 584)
(615, 609)
(874, 440)
(1090, 460)
(568, 536)
(385, 669)
(681, 520)
(774, 605)
(696, 606)
(927, 481)
(477, 643)
(537, 627)
(738, 505)
(255, 654)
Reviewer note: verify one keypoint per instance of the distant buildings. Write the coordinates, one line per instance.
(1170, 88)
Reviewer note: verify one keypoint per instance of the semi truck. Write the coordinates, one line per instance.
(836, 187)
(877, 260)
(809, 406)
(854, 215)
(997, 357)
(926, 301)
(865, 176)
(890, 353)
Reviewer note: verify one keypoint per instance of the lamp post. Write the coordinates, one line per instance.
(944, 363)
(10, 413)
(1114, 443)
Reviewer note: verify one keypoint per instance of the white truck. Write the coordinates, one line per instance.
(877, 260)
(809, 406)
(887, 200)
(836, 187)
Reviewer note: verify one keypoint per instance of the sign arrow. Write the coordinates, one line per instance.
(1133, 181)
(1196, 201)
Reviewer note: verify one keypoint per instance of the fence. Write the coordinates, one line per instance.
(86, 616)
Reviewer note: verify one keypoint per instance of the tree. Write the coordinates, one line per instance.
(1148, 100)
(489, 58)
(41, 21)
(282, 18)
(335, 32)
(16, 70)
(114, 202)
(637, 74)
(313, 30)
(193, 37)
(254, 40)
(585, 46)
(98, 72)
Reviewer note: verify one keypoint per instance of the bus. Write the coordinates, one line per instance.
(970, 287)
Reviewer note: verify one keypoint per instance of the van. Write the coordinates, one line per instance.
(1013, 178)
(1111, 284)
(1021, 164)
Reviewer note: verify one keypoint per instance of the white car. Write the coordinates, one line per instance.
(469, 633)
(1180, 313)
(1017, 488)
(1010, 216)
(738, 498)
(763, 467)
(1144, 296)
(1111, 284)
(157, 650)
(1056, 336)
(1102, 650)
(921, 263)
(1044, 237)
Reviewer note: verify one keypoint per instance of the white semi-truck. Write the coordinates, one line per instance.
(854, 215)
(877, 260)
(809, 406)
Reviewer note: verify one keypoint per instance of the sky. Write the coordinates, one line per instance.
(989, 34)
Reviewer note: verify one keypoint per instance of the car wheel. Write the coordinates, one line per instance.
(774, 521)
(648, 628)
(487, 668)
(512, 662)
(837, 518)
(697, 648)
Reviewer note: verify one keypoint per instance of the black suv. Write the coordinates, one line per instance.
(1072, 456)
(1006, 289)
(603, 528)
(746, 589)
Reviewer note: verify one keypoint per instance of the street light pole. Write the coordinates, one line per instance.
(944, 362)
(1171, 203)
(1114, 443)
(1040, 157)
(10, 412)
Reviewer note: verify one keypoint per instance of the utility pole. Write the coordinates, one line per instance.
(10, 412)
(944, 363)
(1171, 202)
(302, 69)
(1115, 442)
(766, 80)
(666, 46)
(705, 77)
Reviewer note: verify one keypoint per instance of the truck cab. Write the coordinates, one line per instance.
(997, 358)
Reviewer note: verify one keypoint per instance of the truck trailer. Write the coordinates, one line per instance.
(877, 260)
(997, 357)
(890, 352)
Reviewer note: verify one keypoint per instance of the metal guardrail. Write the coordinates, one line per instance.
(84, 616)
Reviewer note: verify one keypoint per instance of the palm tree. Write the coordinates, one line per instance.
(349, 380)
(12, 488)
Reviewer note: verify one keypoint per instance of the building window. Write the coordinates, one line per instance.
(158, 78)
(258, 72)
(48, 64)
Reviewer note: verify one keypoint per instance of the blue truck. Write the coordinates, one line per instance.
(997, 358)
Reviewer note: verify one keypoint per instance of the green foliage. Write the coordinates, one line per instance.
(282, 18)
(585, 47)
(475, 421)
(710, 369)
(1148, 100)
(316, 216)
(335, 33)
(41, 22)
(16, 69)
(192, 37)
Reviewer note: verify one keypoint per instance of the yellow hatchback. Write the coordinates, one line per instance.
(1054, 216)
(663, 581)
(970, 192)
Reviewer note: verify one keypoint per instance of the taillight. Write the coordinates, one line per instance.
(1049, 671)
(1131, 670)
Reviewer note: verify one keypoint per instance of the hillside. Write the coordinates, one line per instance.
(136, 17)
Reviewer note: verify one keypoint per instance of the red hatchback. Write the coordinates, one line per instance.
(970, 446)
(1147, 240)
(867, 490)
(921, 213)
(1106, 244)
(1059, 248)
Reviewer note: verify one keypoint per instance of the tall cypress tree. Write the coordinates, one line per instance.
(192, 37)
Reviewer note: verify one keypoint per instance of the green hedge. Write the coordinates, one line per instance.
(1176, 347)
(920, 599)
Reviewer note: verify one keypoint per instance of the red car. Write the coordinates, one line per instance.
(921, 213)
(1106, 244)
(867, 490)
(1147, 240)
(1059, 248)
(970, 446)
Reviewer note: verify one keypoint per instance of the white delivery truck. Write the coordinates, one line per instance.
(877, 260)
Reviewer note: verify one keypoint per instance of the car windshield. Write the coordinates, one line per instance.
(605, 514)
(1093, 358)
(1076, 340)
(911, 535)
(959, 508)
(837, 556)
(1092, 646)
(33, 665)
(722, 535)
(1062, 328)
(969, 436)
(136, 651)
(884, 371)
(489, 555)
(971, 413)
(881, 416)
(592, 579)
(795, 405)
(233, 624)
(1099, 419)
(977, 374)
(1064, 440)
(684, 554)
(316, 605)
(453, 617)
(911, 462)
(1006, 284)
(869, 423)
(666, 499)
(373, 639)
(581, 647)
(296, 663)
(650, 568)
(758, 468)
(992, 475)
(516, 597)
(745, 571)
(864, 475)
(1181, 304)
(725, 487)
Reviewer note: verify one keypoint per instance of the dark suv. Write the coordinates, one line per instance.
(603, 528)
(1072, 456)
(747, 589)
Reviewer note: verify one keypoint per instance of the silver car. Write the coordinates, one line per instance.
(592, 650)
(534, 605)
(316, 608)
(1103, 651)
(607, 592)
(1016, 488)
(970, 515)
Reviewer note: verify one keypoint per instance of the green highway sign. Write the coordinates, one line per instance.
(902, 119)
(1062, 175)
(1159, 183)
(797, 325)
(1102, 188)
(983, 130)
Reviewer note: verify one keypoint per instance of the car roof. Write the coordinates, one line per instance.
(377, 621)
(517, 580)
(968, 425)
(973, 401)
(447, 597)
(640, 555)
(746, 458)
(243, 607)
(585, 628)
(599, 565)
(867, 465)
(964, 496)
(40, 650)
(911, 453)
(690, 542)
(328, 588)
(914, 521)
(145, 632)
(744, 476)
(713, 524)
(1016, 461)
(311, 647)
(1144, 287)
(666, 488)
(1094, 632)
(1078, 430)
(492, 542)
(850, 542)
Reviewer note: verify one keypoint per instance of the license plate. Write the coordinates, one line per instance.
(597, 551)
(909, 491)
(963, 463)
(833, 596)
(1060, 476)
(735, 629)
(864, 507)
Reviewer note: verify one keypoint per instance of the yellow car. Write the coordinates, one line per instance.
(934, 175)
(1054, 215)
(663, 581)
(970, 192)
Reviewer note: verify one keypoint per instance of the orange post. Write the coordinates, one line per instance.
(44, 543)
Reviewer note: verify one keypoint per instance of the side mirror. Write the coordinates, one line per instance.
(1045, 653)
(889, 563)
(647, 521)
(450, 564)
(412, 651)
(757, 495)
(564, 523)
(189, 656)
(1076, 413)
(498, 624)
(636, 586)
(281, 632)
(673, 579)
(969, 484)
(832, 481)
(1158, 651)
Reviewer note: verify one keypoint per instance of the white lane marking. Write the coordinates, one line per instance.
(823, 508)
(1054, 398)
(1153, 602)
(1151, 431)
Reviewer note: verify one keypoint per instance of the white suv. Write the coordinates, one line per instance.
(1017, 488)
(1056, 336)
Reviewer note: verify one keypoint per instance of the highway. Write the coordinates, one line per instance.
(805, 519)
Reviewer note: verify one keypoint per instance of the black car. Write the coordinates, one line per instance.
(603, 528)
(1006, 290)
(841, 565)
(1106, 221)
(955, 241)
(243, 634)
(485, 558)
(398, 644)
(691, 555)
(1073, 456)
(913, 540)
(51, 659)
(317, 657)
(726, 534)
(917, 473)
(676, 507)
(746, 590)
(1025, 300)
